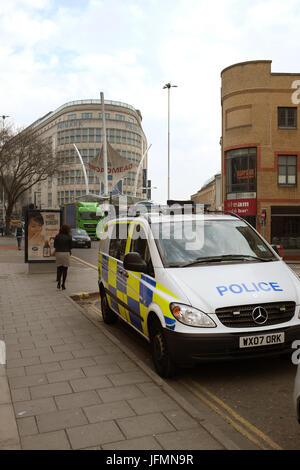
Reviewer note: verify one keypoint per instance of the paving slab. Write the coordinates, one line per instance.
(107, 412)
(146, 425)
(141, 443)
(187, 440)
(82, 437)
(63, 419)
(78, 400)
(46, 441)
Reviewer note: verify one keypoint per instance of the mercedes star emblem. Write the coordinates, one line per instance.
(259, 315)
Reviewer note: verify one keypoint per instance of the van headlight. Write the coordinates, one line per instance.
(191, 316)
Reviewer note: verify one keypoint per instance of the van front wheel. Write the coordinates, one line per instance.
(163, 363)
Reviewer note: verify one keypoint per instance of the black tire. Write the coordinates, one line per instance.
(163, 363)
(108, 315)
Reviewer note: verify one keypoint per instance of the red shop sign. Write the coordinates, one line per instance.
(242, 207)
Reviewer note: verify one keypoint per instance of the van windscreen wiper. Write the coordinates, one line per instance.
(216, 259)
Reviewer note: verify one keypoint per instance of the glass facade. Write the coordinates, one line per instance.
(80, 123)
(241, 170)
(95, 135)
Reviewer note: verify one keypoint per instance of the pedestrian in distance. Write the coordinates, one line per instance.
(63, 246)
(19, 235)
(2, 227)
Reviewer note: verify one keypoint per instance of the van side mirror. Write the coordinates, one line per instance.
(134, 262)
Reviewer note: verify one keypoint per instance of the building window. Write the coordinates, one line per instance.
(287, 118)
(71, 117)
(78, 176)
(120, 117)
(49, 200)
(86, 115)
(241, 170)
(287, 170)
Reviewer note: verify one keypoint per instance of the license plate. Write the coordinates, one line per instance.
(261, 340)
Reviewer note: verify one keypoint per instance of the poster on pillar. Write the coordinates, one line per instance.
(117, 167)
(41, 227)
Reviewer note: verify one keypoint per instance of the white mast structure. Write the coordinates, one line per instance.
(84, 170)
(139, 169)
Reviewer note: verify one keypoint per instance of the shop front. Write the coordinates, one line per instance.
(285, 229)
(241, 183)
(245, 208)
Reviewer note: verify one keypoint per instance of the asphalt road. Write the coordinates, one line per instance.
(253, 396)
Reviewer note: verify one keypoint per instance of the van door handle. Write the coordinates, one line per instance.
(122, 272)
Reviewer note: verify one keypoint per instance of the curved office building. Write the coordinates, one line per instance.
(80, 123)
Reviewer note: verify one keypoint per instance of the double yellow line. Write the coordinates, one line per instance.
(240, 424)
(84, 262)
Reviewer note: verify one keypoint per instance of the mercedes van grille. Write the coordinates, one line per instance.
(241, 316)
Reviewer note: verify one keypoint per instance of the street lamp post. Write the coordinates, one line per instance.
(168, 86)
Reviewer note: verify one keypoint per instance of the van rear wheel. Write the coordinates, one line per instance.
(163, 363)
(108, 315)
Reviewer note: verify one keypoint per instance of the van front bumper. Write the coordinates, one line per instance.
(189, 349)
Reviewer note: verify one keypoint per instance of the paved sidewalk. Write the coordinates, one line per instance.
(68, 384)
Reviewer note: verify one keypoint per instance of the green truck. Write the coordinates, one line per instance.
(85, 215)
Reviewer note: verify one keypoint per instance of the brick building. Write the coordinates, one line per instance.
(261, 150)
(210, 193)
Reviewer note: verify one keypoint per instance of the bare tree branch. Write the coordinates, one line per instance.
(25, 160)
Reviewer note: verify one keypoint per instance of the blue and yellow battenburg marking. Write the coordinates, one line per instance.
(138, 292)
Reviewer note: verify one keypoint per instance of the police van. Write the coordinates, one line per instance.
(198, 287)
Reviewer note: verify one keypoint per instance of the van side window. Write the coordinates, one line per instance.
(139, 244)
(118, 242)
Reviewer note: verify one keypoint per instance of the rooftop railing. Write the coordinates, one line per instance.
(82, 102)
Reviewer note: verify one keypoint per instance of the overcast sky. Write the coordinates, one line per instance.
(55, 51)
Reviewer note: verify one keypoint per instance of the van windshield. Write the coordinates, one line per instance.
(187, 243)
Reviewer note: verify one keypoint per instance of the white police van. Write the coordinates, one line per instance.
(223, 294)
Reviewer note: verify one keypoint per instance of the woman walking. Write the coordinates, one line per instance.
(63, 246)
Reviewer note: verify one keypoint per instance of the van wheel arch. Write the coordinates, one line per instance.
(101, 289)
(151, 320)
